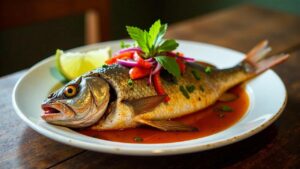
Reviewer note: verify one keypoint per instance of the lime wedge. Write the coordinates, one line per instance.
(74, 64)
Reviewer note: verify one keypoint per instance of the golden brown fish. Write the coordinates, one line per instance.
(104, 100)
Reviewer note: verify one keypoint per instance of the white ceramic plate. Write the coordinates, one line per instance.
(267, 100)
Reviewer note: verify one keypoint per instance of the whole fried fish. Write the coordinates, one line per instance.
(103, 99)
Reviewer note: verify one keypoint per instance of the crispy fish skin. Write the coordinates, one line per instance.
(213, 84)
(123, 116)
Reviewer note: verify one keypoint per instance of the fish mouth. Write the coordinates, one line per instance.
(52, 112)
(48, 109)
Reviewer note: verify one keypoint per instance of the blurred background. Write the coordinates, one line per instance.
(31, 30)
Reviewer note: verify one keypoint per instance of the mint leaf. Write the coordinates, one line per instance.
(161, 34)
(152, 42)
(168, 45)
(169, 64)
(153, 32)
(140, 36)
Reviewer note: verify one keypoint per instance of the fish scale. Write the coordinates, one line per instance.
(178, 105)
(118, 77)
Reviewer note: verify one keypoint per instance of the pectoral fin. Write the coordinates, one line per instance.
(145, 104)
(167, 125)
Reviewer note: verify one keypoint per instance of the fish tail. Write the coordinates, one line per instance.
(257, 60)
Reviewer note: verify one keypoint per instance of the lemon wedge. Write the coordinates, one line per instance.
(74, 64)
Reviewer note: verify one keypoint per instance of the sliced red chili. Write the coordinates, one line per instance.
(141, 62)
(138, 72)
(125, 55)
(181, 65)
(158, 86)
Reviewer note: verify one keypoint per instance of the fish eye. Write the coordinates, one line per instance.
(70, 91)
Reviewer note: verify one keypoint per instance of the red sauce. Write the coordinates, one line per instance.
(209, 121)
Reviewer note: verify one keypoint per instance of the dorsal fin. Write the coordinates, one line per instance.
(145, 104)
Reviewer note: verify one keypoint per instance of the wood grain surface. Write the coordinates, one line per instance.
(238, 28)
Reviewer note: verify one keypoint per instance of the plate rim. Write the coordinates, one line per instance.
(144, 152)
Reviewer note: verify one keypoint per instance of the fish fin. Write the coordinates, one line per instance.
(256, 57)
(270, 62)
(167, 125)
(227, 97)
(146, 104)
(258, 52)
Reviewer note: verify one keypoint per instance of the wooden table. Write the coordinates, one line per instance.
(238, 28)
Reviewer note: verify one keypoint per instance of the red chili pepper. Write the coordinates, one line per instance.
(158, 86)
(125, 55)
(181, 65)
(180, 54)
(141, 61)
(138, 72)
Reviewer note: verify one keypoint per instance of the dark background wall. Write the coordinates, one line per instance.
(23, 46)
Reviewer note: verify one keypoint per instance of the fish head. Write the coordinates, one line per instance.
(80, 103)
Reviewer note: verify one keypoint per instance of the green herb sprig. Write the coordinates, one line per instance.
(130, 82)
(138, 139)
(196, 74)
(208, 70)
(184, 92)
(190, 88)
(153, 45)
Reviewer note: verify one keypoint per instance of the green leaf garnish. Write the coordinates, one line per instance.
(208, 70)
(168, 45)
(152, 42)
(169, 64)
(153, 45)
(138, 139)
(184, 92)
(226, 108)
(140, 36)
(196, 74)
(130, 82)
(161, 34)
(153, 32)
(222, 110)
(190, 88)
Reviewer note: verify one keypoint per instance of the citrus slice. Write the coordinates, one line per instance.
(74, 64)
